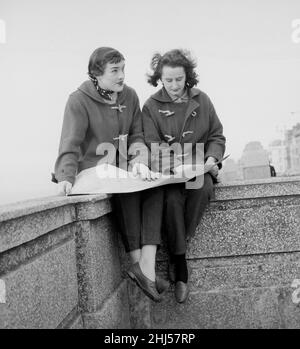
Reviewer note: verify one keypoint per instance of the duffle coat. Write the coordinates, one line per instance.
(200, 123)
(197, 122)
(89, 121)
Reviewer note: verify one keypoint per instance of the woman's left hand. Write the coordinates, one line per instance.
(144, 172)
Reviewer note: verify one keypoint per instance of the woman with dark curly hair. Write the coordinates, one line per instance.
(181, 114)
(105, 110)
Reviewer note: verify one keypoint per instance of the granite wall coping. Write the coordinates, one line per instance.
(276, 186)
(25, 221)
(238, 189)
(23, 208)
(260, 181)
(32, 214)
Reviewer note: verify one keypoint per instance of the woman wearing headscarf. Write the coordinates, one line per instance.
(104, 110)
(180, 114)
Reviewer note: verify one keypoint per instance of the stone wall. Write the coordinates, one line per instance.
(244, 264)
(60, 265)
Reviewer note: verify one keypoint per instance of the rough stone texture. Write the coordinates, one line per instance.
(255, 190)
(17, 231)
(243, 262)
(28, 207)
(114, 313)
(98, 264)
(237, 292)
(139, 307)
(245, 272)
(77, 324)
(93, 209)
(250, 308)
(242, 227)
(244, 265)
(11, 259)
(22, 222)
(261, 181)
(216, 274)
(32, 231)
(139, 303)
(40, 294)
(124, 257)
(72, 321)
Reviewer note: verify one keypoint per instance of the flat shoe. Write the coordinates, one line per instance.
(145, 284)
(181, 291)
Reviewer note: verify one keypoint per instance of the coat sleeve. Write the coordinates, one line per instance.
(74, 128)
(215, 145)
(137, 150)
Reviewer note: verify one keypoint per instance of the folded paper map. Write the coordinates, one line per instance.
(108, 179)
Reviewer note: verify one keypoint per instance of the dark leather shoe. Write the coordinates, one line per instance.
(171, 272)
(145, 284)
(181, 291)
(161, 284)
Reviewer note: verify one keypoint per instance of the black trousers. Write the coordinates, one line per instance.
(183, 211)
(139, 217)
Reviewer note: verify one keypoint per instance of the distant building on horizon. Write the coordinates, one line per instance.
(230, 171)
(283, 154)
(255, 162)
(292, 140)
(278, 155)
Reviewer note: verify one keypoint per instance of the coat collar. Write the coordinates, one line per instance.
(163, 96)
(89, 89)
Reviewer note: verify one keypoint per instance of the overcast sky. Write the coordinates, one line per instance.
(247, 63)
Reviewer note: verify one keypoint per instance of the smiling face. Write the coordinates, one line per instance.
(113, 77)
(173, 79)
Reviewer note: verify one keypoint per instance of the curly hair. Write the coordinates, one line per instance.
(173, 58)
(100, 57)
